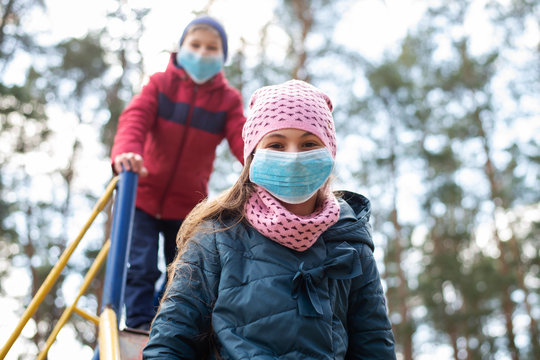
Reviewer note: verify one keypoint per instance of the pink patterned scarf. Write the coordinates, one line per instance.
(266, 214)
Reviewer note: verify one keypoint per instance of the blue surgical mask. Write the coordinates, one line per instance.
(291, 177)
(199, 68)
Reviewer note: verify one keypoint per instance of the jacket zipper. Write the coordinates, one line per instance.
(180, 150)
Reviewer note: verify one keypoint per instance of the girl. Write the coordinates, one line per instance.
(277, 267)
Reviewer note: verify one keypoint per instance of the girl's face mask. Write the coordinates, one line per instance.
(292, 177)
(199, 68)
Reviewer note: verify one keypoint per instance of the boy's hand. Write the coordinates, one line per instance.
(130, 161)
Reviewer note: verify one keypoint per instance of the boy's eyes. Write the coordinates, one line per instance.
(209, 47)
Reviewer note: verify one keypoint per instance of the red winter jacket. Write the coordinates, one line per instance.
(176, 126)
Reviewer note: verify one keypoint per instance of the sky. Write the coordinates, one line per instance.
(382, 22)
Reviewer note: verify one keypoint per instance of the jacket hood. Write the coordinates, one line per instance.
(217, 81)
(353, 224)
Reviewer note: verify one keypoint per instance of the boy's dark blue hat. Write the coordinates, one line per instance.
(213, 23)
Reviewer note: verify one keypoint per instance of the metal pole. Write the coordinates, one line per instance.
(108, 335)
(124, 209)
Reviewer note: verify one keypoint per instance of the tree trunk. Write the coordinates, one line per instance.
(403, 290)
(8, 11)
(504, 269)
(303, 12)
(453, 341)
(533, 325)
(30, 251)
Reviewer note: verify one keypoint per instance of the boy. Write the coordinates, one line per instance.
(168, 134)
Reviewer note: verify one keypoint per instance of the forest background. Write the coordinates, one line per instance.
(438, 118)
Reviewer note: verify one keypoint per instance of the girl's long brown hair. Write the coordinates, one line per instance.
(227, 205)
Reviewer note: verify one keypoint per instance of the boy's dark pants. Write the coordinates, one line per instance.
(142, 273)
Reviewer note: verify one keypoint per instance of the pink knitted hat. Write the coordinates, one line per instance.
(293, 104)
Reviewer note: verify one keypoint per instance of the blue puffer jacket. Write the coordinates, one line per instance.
(240, 295)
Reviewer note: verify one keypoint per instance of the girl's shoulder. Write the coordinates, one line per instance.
(353, 225)
(223, 231)
(357, 203)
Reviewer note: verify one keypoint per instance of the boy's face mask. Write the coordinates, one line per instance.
(199, 68)
(289, 176)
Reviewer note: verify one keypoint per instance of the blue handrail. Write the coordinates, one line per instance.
(115, 274)
(124, 208)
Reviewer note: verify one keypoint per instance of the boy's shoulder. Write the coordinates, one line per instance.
(159, 77)
(233, 90)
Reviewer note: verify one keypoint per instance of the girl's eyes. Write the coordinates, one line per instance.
(307, 145)
(274, 146)
(310, 144)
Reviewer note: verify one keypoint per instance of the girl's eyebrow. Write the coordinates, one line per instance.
(307, 133)
(276, 135)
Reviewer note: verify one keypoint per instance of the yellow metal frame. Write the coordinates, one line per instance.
(100, 259)
(109, 345)
(54, 275)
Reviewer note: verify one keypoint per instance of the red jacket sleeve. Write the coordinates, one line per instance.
(136, 121)
(233, 128)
